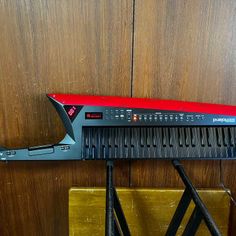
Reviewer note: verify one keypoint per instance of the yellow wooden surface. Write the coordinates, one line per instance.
(148, 211)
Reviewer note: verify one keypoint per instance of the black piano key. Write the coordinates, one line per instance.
(210, 140)
(219, 136)
(127, 142)
(197, 136)
(159, 141)
(152, 147)
(136, 150)
(101, 142)
(101, 133)
(159, 136)
(198, 147)
(203, 139)
(103, 152)
(175, 140)
(193, 136)
(214, 137)
(142, 137)
(203, 136)
(133, 138)
(116, 143)
(181, 136)
(169, 143)
(209, 136)
(133, 143)
(163, 141)
(149, 148)
(89, 133)
(163, 136)
(143, 142)
(145, 147)
(149, 136)
(111, 142)
(226, 142)
(192, 143)
(116, 137)
(137, 146)
(93, 143)
(214, 146)
(220, 142)
(121, 141)
(85, 148)
(106, 144)
(99, 139)
(187, 136)
(225, 137)
(171, 137)
(167, 139)
(231, 134)
(154, 137)
(126, 137)
(154, 140)
(181, 140)
(207, 148)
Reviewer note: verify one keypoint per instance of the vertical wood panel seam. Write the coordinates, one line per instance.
(132, 50)
(132, 69)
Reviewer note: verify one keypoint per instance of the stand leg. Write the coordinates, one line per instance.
(114, 225)
(110, 227)
(117, 232)
(211, 225)
(193, 223)
(120, 215)
(179, 214)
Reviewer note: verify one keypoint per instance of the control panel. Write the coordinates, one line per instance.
(136, 117)
(144, 116)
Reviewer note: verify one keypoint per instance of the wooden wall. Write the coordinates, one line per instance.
(170, 49)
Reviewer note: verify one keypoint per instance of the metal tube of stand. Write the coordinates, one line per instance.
(116, 228)
(110, 227)
(179, 213)
(193, 223)
(197, 200)
(120, 215)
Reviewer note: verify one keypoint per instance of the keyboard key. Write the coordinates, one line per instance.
(158, 142)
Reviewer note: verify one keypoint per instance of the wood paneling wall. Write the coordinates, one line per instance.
(165, 49)
(55, 46)
(185, 50)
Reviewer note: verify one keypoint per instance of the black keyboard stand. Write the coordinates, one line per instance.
(115, 218)
(116, 223)
(200, 211)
